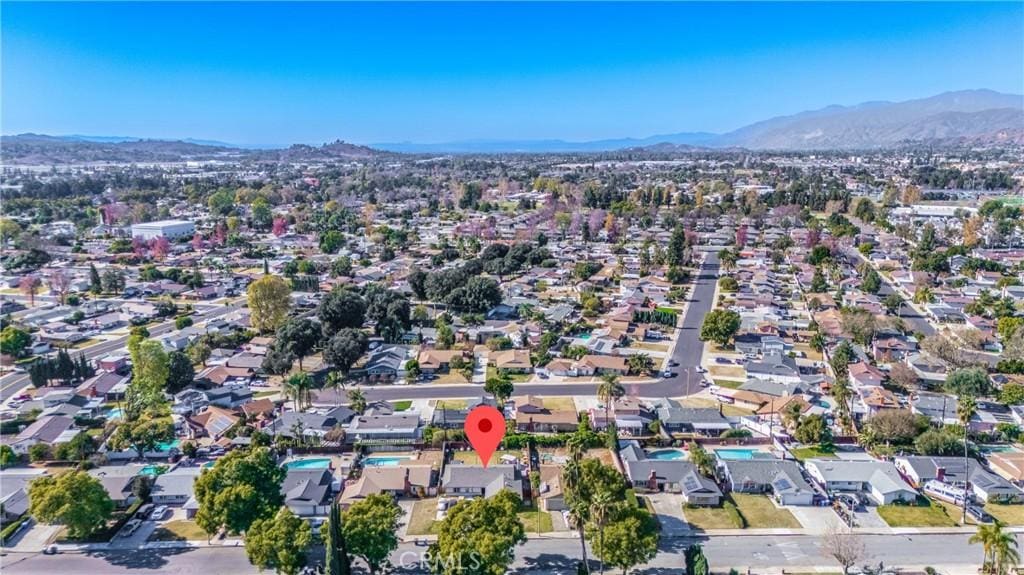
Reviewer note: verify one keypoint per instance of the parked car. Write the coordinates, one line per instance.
(666, 374)
(158, 513)
(130, 528)
(978, 514)
(50, 550)
(144, 511)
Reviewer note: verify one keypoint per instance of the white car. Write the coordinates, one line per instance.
(158, 513)
(130, 528)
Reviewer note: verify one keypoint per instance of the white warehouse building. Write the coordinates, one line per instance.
(170, 229)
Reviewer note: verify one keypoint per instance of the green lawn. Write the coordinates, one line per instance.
(728, 383)
(180, 530)
(513, 377)
(262, 394)
(450, 404)
(760, 513)
(562, 403)
(536, 521)
(401, 405)
(705, 518)
(804, 453)
(1008, 514)
(922, 514)
(421, 520)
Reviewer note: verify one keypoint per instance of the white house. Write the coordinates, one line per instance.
(170, 229)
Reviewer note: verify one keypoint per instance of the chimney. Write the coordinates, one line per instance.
(407, 485)
(940, 474)
(652, 481)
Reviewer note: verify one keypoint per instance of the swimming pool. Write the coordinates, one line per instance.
(742, 454)
(666, 455)
(114, 413)
(153, 470)
(381, 461)
(317, 463)
(167, 445)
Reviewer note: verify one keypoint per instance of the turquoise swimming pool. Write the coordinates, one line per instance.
(153, 470)
(382, 461)
(316, 463)
(666, 455)
(742, 454)
(114, 413)
(167, 445)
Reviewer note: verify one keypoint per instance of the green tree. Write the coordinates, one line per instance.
(180, 373)
(336, 559)
(965, 410)
(445, 336)
(937, 442)
(142, 433)
(719, 326)
(241, 487)
(345, 348)
(341, 308)
(1012, 394)
(299, 336)
(356, 401)
(500, 387)
(74, 499)
(299, 388)
(968, 381)
(370, 527)
(95, 283)
(478, 537)
(14, 341)
(331, 242)
(630, 539)
(269, 301)
(640, 363)
(608, 391)
(7, 456)
(696, 561)
(279, 542)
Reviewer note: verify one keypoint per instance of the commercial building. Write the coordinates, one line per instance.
(170, 229)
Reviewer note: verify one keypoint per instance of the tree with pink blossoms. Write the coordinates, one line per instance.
(219, 234)
(280, 227)
(160, 247)
(29, 286)
(197, 242)
(139, 247)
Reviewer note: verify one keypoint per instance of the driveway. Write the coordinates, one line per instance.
(669, 509)
(815, 519)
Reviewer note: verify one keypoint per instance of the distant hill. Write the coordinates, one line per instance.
(969, 116)
(44, 149)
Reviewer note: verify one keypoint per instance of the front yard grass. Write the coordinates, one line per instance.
(178, 530)
(663, 348)
(559, 403)
(513, 377)
(450, 404)
(704, 518)
(728, 383)
(422, 517)
(759, 512)
(727, 371)
(922, 514)
(1006, 513)
(536, 521)
(402, 405)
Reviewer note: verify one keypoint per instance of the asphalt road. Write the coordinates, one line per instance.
(687, 354)
(12, 384)
(949, 553)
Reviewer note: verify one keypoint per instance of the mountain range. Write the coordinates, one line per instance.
(975, 117)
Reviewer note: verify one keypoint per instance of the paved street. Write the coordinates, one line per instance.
(687, 353)
(763, 553)
(12, 384)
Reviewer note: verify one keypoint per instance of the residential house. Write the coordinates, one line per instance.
(706, 421)
(590, 365)
(671, 475)
(405, 481)
(49, 430)
(479, 481)
(782, 479)
(985, 485)
(307, 492)
(879, 480)
(512, 361)
(391, 426)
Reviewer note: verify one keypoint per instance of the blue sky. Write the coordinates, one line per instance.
(268, 73)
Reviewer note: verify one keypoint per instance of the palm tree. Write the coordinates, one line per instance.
(841, 393)
(335, 382)
(608, 391)
(571, 483)
(299, 387)
(600, 511)
(640, 363)
(727, 259)
(965, 410)
(357, 401)
(985, 535)
(999, 547)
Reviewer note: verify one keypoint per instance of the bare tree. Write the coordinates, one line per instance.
(844, 546)
(59, 284)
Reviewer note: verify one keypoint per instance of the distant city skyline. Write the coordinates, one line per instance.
(274, 74)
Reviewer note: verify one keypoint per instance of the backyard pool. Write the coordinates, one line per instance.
(381, 461)
(666, 455)
(742, 454)
(167, 445)
(153, 470)
(114, 413)
(318, 463)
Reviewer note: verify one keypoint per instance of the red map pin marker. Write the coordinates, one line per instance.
(485, 427)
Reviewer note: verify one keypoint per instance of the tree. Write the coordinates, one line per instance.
(719, 326)
(965, 410)
(150, 370)
(699, 456)
(608, 391)
(969, 381)
(30, 286)
(630, 539)
(95, 283)
(937, 442)
(696, 561)
(904, 376)
(345, 348)
(241, 487)
(113, 281)
(844, 546)
(269, 301)
(299, 387)
(180, 373)
(478, 537)
(14, 341)
(999, 548)
(811, 429)
(893, 426)
(1012, 394)
(143, 432)
(872, 282)
(331, 242)
(278, 360)
(391, 312)
(59, 284)
(341, 308)
(445, 337)
(299, 336)
(370, 529)
(893, 302)
(336, 559)
(357, 401)
(640, 363)
(500, 388)
(279, 542)
(74, 499)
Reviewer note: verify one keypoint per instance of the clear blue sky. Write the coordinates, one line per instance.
(268, 73)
